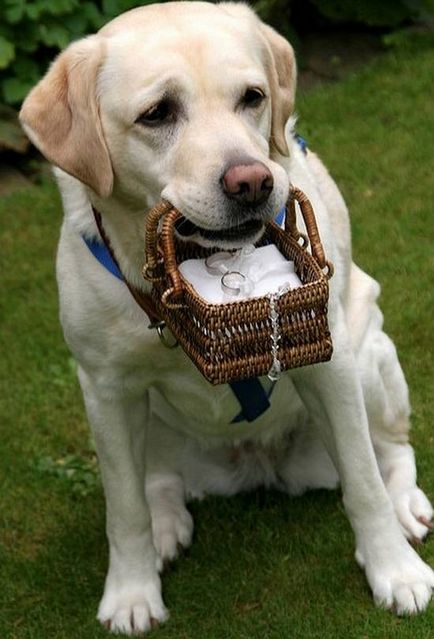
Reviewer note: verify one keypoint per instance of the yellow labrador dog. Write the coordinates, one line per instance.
(192, 102)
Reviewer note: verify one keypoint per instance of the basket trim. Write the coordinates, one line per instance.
(232, 341)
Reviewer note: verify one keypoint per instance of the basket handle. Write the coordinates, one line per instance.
(160, 251)
(168, 246)
(151, 238)
(311, 226)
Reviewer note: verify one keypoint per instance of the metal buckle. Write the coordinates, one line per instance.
(160, 326)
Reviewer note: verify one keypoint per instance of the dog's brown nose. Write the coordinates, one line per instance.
(248, 182)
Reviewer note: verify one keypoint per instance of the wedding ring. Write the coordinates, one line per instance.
(233, 282)
(215, 263)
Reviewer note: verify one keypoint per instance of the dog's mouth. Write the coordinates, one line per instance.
(238, 234)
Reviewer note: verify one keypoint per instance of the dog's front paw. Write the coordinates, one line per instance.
(414, 513)
(398, 577)
(132, 607)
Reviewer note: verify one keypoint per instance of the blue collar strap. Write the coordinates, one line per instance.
(253, 399)
(301, 143)
(101, 252)
(280, 217)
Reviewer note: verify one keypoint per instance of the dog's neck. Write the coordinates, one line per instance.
(124, 225)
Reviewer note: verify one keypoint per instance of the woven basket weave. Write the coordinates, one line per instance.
(232, 341)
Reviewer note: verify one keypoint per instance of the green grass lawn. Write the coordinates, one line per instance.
(262, 565)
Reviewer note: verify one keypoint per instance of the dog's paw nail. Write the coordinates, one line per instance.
(154, 623)
(159, 563)
(426, 522)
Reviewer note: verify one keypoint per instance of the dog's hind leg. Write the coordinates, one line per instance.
(165, 488)
(172, 524)
(307, 466)
(333, 393)
(388, 408)
(387, 405)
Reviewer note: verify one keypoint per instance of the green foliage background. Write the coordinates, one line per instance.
(33, 31)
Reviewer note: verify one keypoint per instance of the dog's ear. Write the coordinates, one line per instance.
(282, 74)
(61, 116)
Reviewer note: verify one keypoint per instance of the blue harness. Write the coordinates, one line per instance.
(253, 397)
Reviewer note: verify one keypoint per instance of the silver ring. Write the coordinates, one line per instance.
(215, 263)
(232, 282)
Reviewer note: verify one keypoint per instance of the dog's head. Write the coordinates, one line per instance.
(186, 101)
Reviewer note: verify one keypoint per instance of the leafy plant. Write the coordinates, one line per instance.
(33, 31)
(79, 473)
(12, 137)
(387, 13)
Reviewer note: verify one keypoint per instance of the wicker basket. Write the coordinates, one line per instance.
(235, 340)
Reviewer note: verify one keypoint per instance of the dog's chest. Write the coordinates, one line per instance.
(183, 399)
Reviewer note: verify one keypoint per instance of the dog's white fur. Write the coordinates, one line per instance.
(146, 402)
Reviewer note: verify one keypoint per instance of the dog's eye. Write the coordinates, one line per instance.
(160, 113)
(252, 98)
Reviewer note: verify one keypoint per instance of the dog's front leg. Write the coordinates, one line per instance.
(333, 394)
(132, 595)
